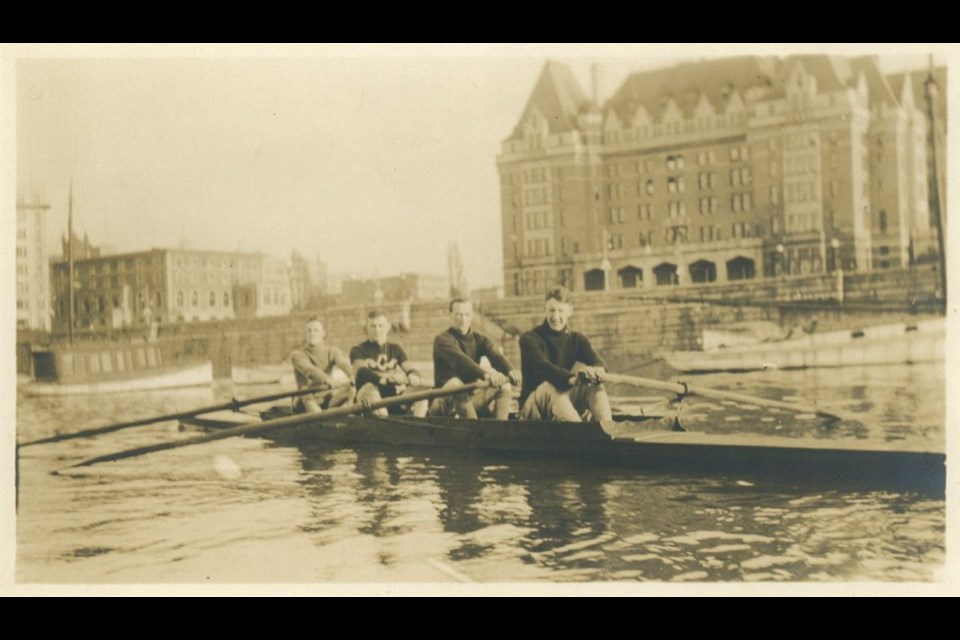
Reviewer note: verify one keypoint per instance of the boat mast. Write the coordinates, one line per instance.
(930, 90)
(70, 265)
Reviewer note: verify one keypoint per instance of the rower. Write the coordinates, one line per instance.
(562, 373)
(315, 364)
(457, 354)
(382, 369)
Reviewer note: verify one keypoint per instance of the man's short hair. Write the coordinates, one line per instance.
(560, 294)
(376, 313)
(460, 301)
(316, 319)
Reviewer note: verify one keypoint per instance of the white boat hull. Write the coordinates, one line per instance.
(265, 374)
(887, 344)
(192, 376)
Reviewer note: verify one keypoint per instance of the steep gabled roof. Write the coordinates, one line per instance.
(880, 91)
(917, 80)
(557, 97)
(684, 83)
(831, 72)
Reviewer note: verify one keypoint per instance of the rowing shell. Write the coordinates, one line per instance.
(646, 446)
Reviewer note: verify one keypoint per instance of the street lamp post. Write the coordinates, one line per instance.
(838, 268)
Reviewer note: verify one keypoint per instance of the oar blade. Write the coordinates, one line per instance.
(110, 428)
(279, 423)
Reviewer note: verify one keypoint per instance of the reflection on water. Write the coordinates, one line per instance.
(537, 519)
(254, 511)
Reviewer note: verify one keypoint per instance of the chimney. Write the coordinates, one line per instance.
(596, 80)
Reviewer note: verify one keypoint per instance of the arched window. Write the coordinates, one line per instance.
(226, 299)
(195, 299)
(179, 298)
(213, 299)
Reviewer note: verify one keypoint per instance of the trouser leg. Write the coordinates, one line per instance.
(498, 399)
(341, 396)
(549, 403)
(370, 393)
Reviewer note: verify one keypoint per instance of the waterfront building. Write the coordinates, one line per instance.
(33, 270)
(715, 171)
(170, 285)
(412, 287)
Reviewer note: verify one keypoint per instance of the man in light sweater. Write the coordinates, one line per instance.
(314, 365)
(562, 373)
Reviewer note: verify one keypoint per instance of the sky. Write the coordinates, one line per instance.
(369, 158)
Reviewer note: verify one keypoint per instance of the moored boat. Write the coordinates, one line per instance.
(110, 368)
(908, 343)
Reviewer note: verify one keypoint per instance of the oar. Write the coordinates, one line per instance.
(280, 423)
(684, 388)
(233, 405)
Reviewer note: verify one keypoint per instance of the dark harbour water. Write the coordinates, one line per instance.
(253, 511)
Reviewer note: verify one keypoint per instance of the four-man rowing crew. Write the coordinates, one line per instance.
(561, 383)
(560, 377)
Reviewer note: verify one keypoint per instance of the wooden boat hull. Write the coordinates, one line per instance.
(162, 378)
(889, 344)
(814, 461)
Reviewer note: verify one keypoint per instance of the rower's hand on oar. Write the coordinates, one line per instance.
(496, 379)
(415, 379)
(516, 378)
(591, 375)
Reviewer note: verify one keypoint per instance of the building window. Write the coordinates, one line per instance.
(882, 220)
(734, 153)
(226, 299)
(671, 185)
(194, 299)
(650, 187)
(213, 299)
(671, 163)
(675, 235)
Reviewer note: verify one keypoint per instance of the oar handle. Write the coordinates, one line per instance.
(279, 423)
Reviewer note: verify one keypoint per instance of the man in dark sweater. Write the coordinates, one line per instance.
(382, 369)
(562, 373)
(457, 353)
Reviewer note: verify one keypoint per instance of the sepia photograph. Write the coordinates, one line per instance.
(476, 319)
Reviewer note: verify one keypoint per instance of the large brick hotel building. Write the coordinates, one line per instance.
(714, 171)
